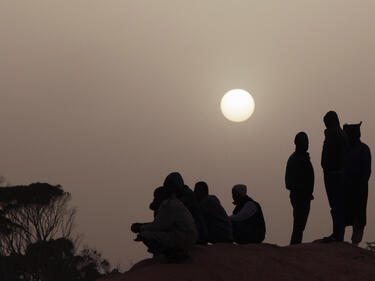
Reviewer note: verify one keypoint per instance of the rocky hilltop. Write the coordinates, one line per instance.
(260, 262)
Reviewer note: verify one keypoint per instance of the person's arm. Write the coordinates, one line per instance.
(247, 211)
(366, 162)
(162, 221)
(290, 174)
(326, 151)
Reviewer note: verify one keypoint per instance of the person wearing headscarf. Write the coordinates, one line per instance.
(299, 180)
(356, 176)
(247, 220)
(216, 219)
(173, 232)
(333, 163)
(187, 197)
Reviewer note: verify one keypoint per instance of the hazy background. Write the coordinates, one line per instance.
(107, 97)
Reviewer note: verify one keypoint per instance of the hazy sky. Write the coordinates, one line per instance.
(107, 97)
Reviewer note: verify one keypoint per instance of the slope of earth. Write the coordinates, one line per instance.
(260, 262)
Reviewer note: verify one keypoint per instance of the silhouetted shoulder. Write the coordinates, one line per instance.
(365, 147)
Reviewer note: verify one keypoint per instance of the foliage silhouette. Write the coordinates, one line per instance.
(37, 212)
(37, 238)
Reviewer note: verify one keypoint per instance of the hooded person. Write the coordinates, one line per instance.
(159, 196)
(187, 197)
(299, 180)
(247, 220)
(173, 231)
(218, 224)
(333, 163)
(356, 176)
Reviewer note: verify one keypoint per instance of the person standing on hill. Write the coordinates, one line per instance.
(299, 180)
(333, 163)
(247, 220)
(217, 221)
(356, 176)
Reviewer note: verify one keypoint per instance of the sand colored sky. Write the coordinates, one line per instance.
(107, 97)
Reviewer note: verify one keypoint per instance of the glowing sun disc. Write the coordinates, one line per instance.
(237, 105)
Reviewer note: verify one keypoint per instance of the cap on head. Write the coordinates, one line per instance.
(201, 190)
(241, 189)
(331, 120)
(173, 183)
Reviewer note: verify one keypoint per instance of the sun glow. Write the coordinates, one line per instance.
(237, 105)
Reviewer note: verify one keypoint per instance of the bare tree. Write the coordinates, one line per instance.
(37, 220)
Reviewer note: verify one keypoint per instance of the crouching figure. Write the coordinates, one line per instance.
(247, 219)
(173, 232)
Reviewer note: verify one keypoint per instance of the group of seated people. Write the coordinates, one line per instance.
(183, 218)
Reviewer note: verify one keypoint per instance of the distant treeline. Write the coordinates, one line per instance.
(37, 237)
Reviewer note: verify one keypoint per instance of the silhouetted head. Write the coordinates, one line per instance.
(201, 190)
(301, 141)
(159, 196)
(331, 120)
(239, 192)
(353, 131)
(173, 183)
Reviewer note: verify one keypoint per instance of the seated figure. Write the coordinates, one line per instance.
(219, 227)
(247, 220)
(186, 196)
(173, 232)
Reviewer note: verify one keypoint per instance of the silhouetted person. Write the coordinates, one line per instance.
(186, 195)
(159, 196)
(299, 179)
(247, 220)
(356, 177)
(333, 163)
(217, 221)
(173, 230)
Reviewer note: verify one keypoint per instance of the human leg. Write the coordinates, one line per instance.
(301, 209)
(357, 234)
(155, 241)
(336, 197)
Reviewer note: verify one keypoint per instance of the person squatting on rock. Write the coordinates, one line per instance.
(159, 196)
(333, 163)
(173, 232)
(299, 180)
(216, 219)
(186, 196)
(247, 220)
(356, 176)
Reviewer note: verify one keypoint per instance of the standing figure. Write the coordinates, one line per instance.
(356, 177)
(217, 221)
(333, 163)
(299, 179)
(173, 232)
(247, 220)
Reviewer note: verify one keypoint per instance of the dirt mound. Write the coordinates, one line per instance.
(260, 262)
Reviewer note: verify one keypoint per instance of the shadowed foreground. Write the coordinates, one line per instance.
(314, 261)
